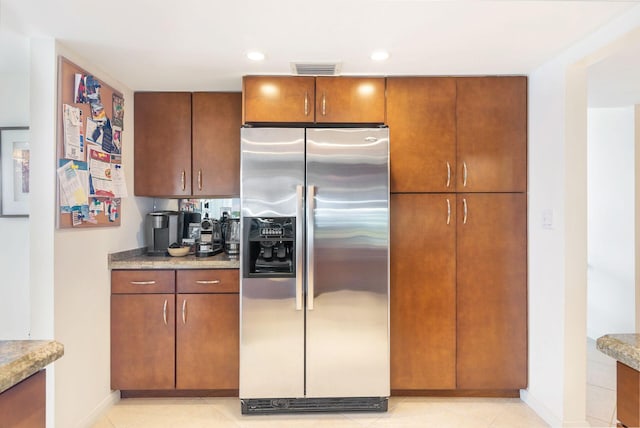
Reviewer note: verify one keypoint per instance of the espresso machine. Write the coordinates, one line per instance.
(210, 242)
(270, 247)
(162, 229)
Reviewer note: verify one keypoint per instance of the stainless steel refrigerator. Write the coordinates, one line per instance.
(314, 270)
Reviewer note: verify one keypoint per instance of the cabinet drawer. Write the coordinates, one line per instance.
(208, 281)
(143, 281)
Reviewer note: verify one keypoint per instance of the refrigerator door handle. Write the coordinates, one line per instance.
(311, 205)
(299, 245)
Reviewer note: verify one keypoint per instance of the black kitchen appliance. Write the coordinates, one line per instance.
(162, 229)
(210, 242)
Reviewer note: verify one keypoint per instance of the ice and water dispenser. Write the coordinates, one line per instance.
(270, 247)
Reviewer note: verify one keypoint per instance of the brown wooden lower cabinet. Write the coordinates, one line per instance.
(423, 291)
(627, 395)
(142, 341)
(207, 347)
(24, 404)
(458, 293)
(175, 342)
(492, 291)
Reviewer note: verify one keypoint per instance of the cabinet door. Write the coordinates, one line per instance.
(142, 341)
(208, 281)
(350, 99)
(217, 117)
(492, 134)
(24, 404)
(143, 281)
(278, 99)
(207, 351)
(421, 114)
(162, 144)
(492, 291)
(423, 291)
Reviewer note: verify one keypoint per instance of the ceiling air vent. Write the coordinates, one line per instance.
(315, 68)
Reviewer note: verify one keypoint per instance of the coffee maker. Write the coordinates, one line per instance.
(210, 242)
(163, 228)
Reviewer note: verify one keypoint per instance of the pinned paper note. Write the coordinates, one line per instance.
(73, 138)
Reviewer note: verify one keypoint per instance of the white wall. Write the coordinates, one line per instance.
(14, 258)
(82, 290)
(611, 221)
(42, 189)
(69, 270)
(558, 256)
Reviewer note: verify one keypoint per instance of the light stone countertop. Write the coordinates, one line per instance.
(19, 359)
(623, 347)
(137, 259)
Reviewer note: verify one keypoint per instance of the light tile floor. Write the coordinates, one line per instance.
(404, 412)
(601, 387)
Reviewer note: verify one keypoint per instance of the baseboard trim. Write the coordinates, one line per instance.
(108, 402)
(543, 411)
(164, 393)
(490, 393)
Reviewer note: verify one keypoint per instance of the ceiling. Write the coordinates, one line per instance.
(201, 44)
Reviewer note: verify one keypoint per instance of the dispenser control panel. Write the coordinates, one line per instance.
(270, 247)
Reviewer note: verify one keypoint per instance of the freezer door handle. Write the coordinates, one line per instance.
(299, 245)
(311, 205)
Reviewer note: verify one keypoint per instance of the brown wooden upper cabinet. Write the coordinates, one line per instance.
(162, 143)
(187, 144)
(466, 134)
(350, 99)
(297, 99)
(216, 121)
(421, 114)
(278, 98)
(492, 134)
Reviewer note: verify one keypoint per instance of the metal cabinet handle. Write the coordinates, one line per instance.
(164, 312)
(199, 179)
(306, 103)
(464, 208)
(464, 174)
(208, 281)
(448, 174)
(311, 198)
(142, 282)
(448, 211)
(182, 179)
(299, 245)
(324, 104)
(184, 311)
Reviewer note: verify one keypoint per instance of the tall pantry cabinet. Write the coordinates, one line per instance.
(458, 233)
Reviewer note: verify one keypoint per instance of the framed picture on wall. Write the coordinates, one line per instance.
(14, 171)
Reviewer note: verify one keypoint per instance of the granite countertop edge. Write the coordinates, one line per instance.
(622, 347)
(20, 359)
(138, 259)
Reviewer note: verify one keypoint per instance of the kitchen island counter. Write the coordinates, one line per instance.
(138, 259)
(626, 349)
(622, 347)
(20, 359)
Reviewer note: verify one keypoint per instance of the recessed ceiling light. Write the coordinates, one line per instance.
(255, 56)
(379, 55)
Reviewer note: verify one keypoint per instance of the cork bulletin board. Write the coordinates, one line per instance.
(90, 177)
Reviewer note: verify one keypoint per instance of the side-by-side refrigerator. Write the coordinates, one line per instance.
(314, 270)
